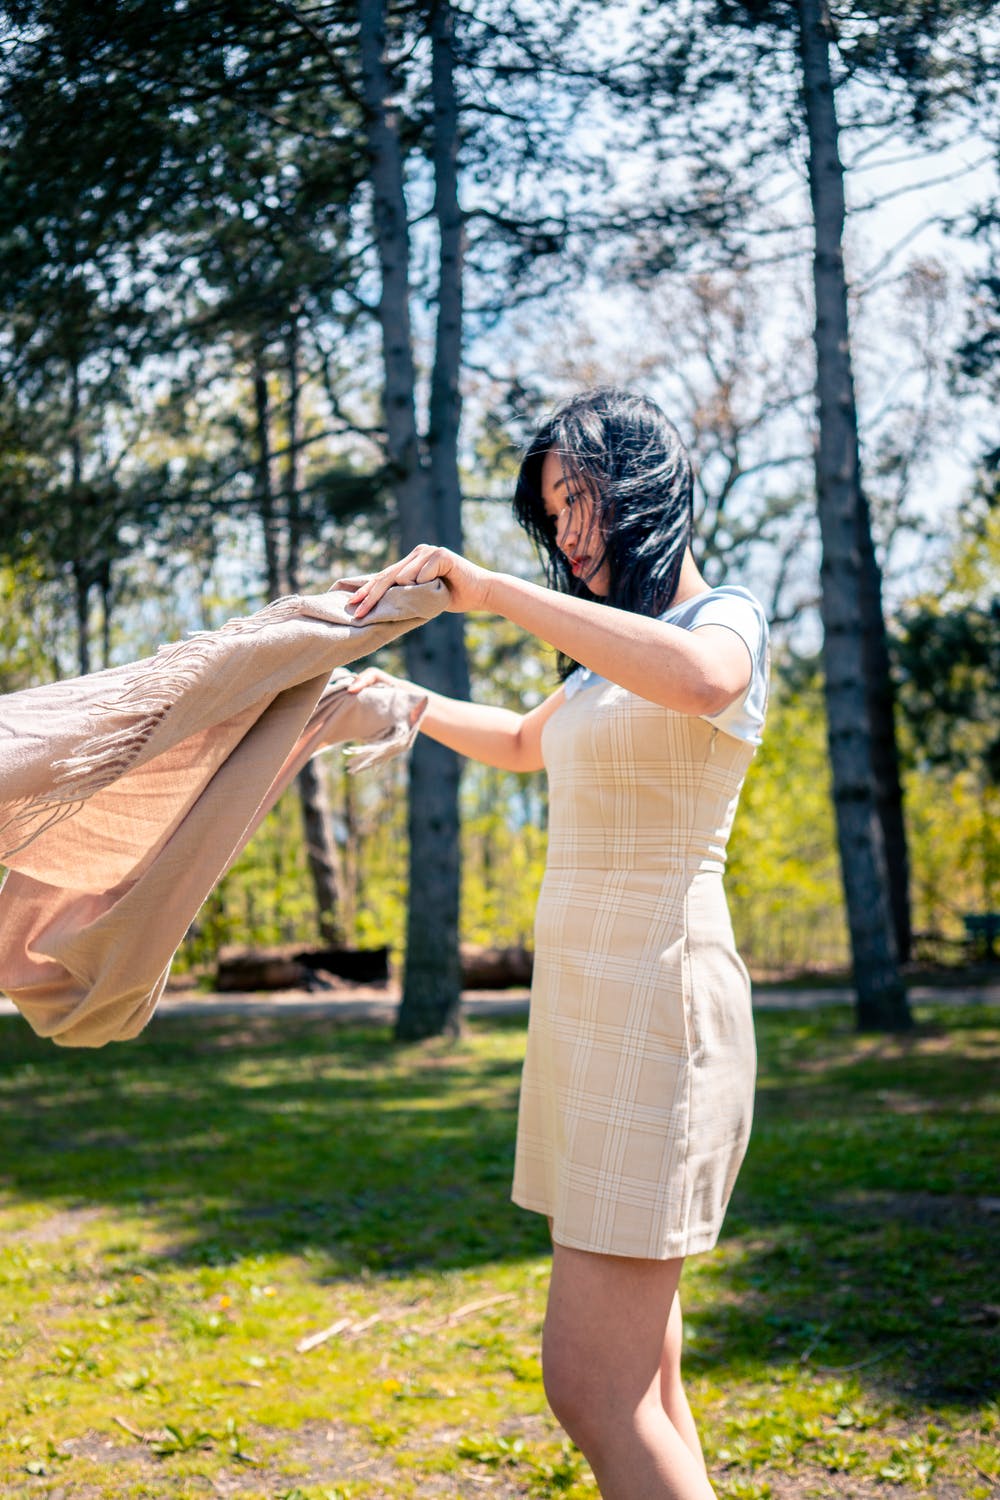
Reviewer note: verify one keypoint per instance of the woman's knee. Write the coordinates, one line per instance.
(599, 1410)
(592, 1397)
(603, 1338)
(568, 1387)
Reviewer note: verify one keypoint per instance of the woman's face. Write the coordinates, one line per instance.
(571, 510)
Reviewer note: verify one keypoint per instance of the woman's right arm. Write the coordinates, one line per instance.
(496, 736)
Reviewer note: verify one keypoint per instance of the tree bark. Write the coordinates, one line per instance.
(429, 510)
(882, 1002)
(104, 585)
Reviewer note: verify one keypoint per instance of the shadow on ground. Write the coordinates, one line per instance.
(862, 1235)
(259, 1134)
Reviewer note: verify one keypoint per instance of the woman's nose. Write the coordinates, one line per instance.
(565, 527)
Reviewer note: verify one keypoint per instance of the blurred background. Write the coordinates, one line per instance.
(285, 288)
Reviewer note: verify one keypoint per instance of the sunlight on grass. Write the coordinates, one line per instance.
(280, 1258)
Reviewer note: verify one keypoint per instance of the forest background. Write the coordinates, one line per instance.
(285, 288)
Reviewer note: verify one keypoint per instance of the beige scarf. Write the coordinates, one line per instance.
(126, 795)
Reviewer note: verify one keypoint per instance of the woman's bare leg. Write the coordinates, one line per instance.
(606, 1333)
(672, 1393)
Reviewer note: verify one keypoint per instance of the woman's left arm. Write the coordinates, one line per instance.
(691, 671)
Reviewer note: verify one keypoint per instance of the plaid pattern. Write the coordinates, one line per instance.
(637, 1090)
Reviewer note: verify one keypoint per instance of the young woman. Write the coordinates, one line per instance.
(638, 1081)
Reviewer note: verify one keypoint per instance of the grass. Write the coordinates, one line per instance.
(179, 1215)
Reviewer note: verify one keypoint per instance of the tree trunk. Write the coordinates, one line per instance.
(882, 1003)
(265, 479)
(293, 477)
(81, 551)
(321, 847)
(81, 601)
(104, 586)
(432, 981)
(885, 753)
(436, 654)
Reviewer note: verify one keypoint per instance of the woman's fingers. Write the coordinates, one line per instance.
(361, 590)
(408, 570)
(422, 565)
(367, 596)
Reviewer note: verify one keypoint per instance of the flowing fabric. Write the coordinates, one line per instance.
(127, 794)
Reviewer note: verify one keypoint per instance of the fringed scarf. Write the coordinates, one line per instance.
(127, 794)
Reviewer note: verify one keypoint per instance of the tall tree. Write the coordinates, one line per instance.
(321, 847)
(848, 572)
(73, 309)
(424, 474)
(934, 57)
(930, 60)
(250, 227)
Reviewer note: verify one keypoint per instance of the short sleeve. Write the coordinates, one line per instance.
(737, 610)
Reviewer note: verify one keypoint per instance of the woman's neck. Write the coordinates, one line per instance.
(690, 581)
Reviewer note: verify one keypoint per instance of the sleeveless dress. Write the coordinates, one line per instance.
(638, 1082)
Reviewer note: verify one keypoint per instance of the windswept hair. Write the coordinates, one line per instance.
(622, 451)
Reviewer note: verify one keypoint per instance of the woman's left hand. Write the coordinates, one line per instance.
(466, 583)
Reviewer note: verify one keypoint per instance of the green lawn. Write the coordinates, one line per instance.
(179, 1214)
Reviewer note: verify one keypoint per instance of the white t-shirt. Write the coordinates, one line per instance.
(739, 611)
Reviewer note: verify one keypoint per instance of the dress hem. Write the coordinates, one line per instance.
(674, 1249)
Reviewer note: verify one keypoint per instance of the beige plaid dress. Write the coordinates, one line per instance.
(637, 1092)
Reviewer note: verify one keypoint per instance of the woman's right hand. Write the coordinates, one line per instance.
(467, 584)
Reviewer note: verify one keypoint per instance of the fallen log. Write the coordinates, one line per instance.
(288, 969)
(360, 965)
(260, 971)
(495, 968)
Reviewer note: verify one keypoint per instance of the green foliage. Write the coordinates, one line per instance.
(26, 627)
(953, 823)
(265, 900)
(950, 663)
(148, 257)
(503, 844)
(783, 876)
(947, 652)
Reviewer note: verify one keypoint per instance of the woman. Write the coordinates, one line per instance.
(638, 1081)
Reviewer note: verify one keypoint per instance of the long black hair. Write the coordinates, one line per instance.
(622, 451)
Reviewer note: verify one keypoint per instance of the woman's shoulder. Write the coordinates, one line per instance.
(723, 596)
(736, 608)
(730, 604)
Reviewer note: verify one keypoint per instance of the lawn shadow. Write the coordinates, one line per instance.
(249, 1134)
(861, 1237)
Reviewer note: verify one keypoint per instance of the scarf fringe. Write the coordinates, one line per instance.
(393, 740)
(28, 820)
(139, 710)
